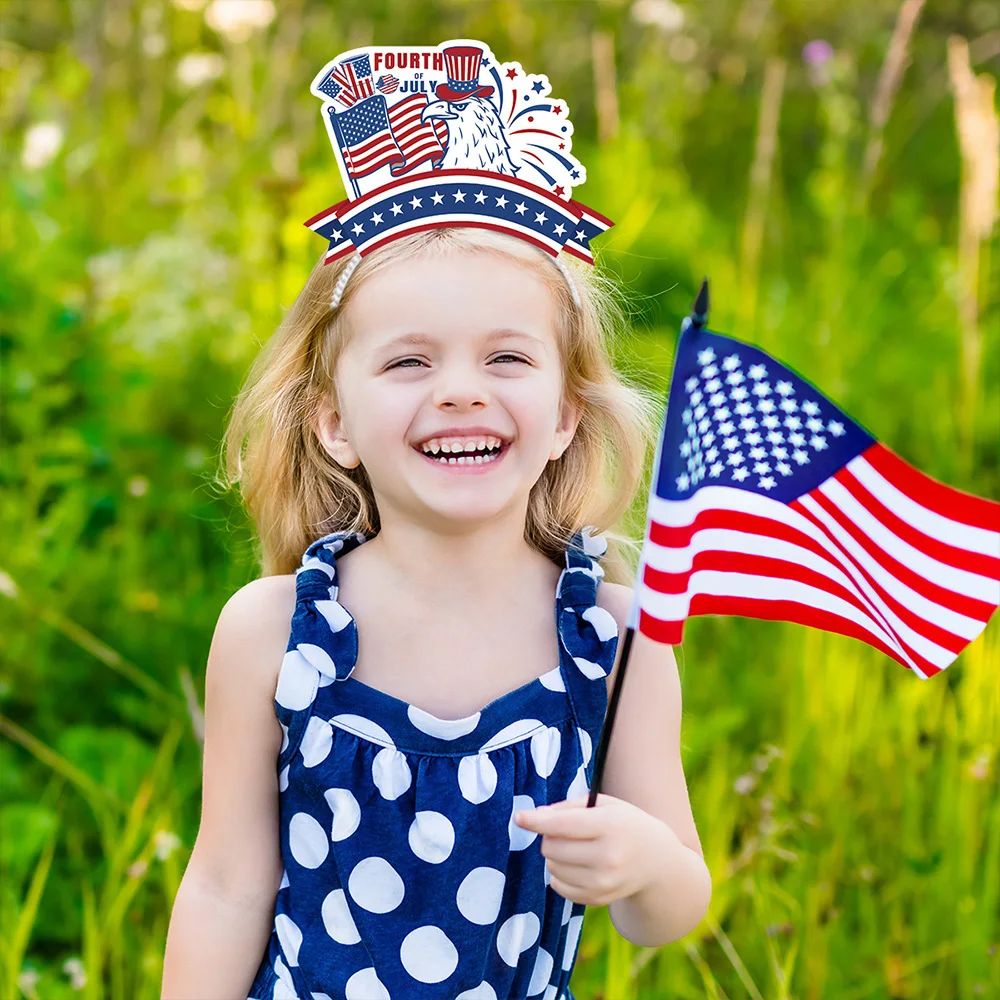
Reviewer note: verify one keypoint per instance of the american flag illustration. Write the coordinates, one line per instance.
(418, 141)
(387, 83)
(770, 502)
(366, 137)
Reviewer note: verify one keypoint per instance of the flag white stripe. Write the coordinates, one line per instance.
(676, 560)
(675, 607)
(960, 581)
(962, 536)
(727, 498)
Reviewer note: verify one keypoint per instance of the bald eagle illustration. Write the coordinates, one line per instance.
(476, 137)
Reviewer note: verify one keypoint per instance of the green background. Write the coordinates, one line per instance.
(150, 239)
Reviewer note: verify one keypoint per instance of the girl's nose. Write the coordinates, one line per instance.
(461, 391)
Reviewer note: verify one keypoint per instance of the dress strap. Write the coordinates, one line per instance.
(588, 638)
(323, 642)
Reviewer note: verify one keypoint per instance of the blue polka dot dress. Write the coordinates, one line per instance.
(406, 877)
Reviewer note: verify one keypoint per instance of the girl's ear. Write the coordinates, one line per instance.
(569, 420)
(330, 431)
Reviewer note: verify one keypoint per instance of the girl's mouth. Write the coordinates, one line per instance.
(462, 458)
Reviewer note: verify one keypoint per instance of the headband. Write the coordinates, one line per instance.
(446, 135)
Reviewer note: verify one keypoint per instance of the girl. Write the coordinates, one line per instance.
(394, 784)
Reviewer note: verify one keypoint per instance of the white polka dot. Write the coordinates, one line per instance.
(361, 726)
(479, 895)
(511, 734)
(477, 778)
(481, 992)
(335, 614)
(546, 874)
(307, 840)
(297, 680)
(567, 911)
(313, 563)
(321, 996)
(337, 918)
(572, 939)
(593, 544)
(553, 680)
(541, 973)
(284, 880)
(365, 985)
(318, 657)
(325, 680)
(283, 779)
(590, 670)
(284, 988)
(545, 746)
(550, 993)
(578, 787)
(586, 745)
(603, 621)
(517, 933)
(316, 742)
(445, 729)
(391, 773)
(375, 885)
(346, 812)
(289, 936)
(431, 836)
(284, 737)
(428, 955)
(520, 838)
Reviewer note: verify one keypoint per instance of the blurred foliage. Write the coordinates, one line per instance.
(159, 158)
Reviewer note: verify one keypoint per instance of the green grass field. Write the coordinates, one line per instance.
(156, 173)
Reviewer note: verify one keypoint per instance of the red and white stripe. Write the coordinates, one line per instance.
(418, 141)
(367, 157)
(878, 551)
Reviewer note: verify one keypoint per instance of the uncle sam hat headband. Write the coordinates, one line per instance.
(433, 136)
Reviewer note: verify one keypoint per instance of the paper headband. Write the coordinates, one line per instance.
(448, 136)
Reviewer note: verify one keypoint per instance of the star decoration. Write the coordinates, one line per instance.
(521, 208)
(511, 73)
(437, 198)
(560, 229)
(358, 228)
(416, 202)
(540, 218)
(376, 218)
(396, 209)
(480, 198)
(502, 202)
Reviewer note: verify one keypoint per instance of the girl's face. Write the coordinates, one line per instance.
(450, 387)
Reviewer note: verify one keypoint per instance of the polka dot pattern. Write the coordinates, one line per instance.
(404, 869)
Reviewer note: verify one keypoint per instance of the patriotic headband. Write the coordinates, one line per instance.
(433, 136)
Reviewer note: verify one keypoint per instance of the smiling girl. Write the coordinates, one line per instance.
(401, 714)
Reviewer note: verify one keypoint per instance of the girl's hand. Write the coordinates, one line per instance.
(597, 855)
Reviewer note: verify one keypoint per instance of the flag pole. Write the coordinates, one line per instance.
(697, 320)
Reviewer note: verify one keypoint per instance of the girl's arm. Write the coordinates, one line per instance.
(224, 908)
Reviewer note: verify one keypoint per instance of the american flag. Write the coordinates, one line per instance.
(418, 141)
(770, 502)
(387, 83)
(366, 137)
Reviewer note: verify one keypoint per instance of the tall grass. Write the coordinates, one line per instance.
(849, 813)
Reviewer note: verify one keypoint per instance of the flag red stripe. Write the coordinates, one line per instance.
(779, 569)
(971, 607)
(679, 537)
(972, 562)
(935, 496)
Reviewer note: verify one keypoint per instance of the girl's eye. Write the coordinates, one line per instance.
(512, 357)
(403, 361)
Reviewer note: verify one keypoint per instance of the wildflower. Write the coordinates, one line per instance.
(138, 486)
(744, 783)
(166, 843)
(817, 55)
(196, 68)
(663, 14)
(73, 968)
(237, 19)
(138, 868)
(41, 143)
(979, 769)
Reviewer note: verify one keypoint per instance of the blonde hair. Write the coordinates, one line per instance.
(295, 492)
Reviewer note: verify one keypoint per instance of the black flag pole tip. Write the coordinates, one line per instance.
(699, 311)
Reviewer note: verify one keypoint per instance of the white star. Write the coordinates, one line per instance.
(358, 228)
(716, 470)
(691, 384)
(437, 198)
(722, 413)
(521, 208)
(700, 411)
(396, 209)
(770, 422)
(711, 455)
(685, 448)
(734, 378)
(758, 453)
(792, 423)
(717, 400)
(761, 468)
(757, 372)
(796, 440)
(707, 439)
(753, 438)
(766, 406)
(762, 389)
(778, 452)
(377, 217)
(748, 424)
(801, 457)
(740, 474)
(336, 234)
(766, 483)
(810, 407)
(726, 428)
(776, 437)
(814, 424)
(696, 396)
(735, 458)
(502, 202)
(559, 230)
(733, 361)
(743, 409)
(785, 388)
(784, 468)
(706, 357)
(480, 197)
(818, 442)
(683, 482)
(704, 424)
(540, 218)
(789, 405)
(730, 443)
(836, 428)
(714, 386)
(739, 393)
(581, 235)
(416, 202)
(710, 372)
(686, 416)
(459, 196)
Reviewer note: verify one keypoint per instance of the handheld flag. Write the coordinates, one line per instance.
(768, 501)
